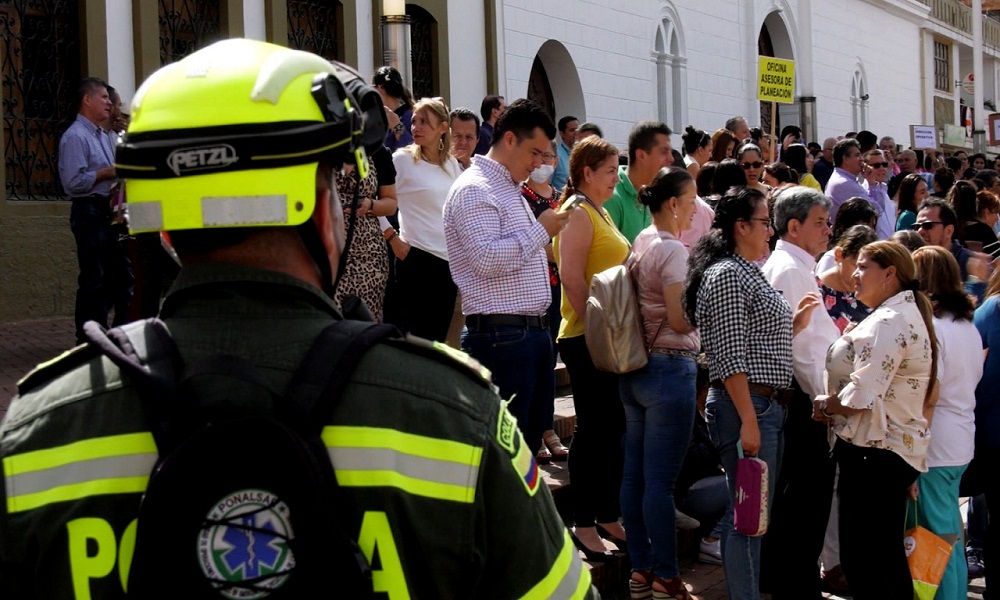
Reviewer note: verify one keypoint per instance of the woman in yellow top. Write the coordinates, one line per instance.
(589, 244)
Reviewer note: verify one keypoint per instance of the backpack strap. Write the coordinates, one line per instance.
(326, 370)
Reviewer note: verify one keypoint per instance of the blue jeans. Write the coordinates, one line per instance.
(520, 359)
(740, 553)
(99, 257)
(659, 413)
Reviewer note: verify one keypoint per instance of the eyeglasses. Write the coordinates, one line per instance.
(762, 220)
(751, 165)
(926, 225)
(543, 155)
(879, 165)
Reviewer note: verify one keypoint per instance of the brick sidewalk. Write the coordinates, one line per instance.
(25, 344)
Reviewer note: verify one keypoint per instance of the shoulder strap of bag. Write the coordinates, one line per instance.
(146, 350)
(652, 340)
(326, 370)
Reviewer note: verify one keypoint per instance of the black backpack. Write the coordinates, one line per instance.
(243, 502)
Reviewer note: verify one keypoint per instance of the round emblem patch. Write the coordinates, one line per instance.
(243, 547)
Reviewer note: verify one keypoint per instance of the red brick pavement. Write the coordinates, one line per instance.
(25, 344)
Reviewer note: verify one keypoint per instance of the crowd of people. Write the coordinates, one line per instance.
(827, 308)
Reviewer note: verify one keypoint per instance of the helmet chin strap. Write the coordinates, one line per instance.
(309, 232)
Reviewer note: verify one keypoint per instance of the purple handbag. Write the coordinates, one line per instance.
(750, 505)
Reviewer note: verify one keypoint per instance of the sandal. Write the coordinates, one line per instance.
(673, 589)
(543, 457)
(640, 585)
(555, 446)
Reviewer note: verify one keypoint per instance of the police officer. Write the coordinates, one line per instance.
(232, 152)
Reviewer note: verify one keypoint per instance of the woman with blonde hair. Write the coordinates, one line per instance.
(425, 171)
(952, 417)
(589, 244)
(880, 375)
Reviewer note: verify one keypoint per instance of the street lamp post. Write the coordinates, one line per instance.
(396, 39)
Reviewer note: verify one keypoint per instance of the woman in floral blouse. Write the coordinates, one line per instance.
(880, 376)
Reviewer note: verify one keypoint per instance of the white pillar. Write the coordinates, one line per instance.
(979, 115)
(254, 27)
(363, 29)
(121, 55)
(467, 54)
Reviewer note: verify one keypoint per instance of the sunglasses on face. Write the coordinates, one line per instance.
(879, 165)
(751, 165)
(926, 225)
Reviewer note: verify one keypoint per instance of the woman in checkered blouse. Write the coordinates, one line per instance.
(746, 332)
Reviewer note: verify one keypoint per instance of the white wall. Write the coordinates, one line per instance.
(467, 54)
(611, 45)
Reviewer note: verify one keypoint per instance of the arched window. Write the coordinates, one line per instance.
(40, 53)
(423, 51)
(671, 71)
(187, 26)
(314, 26)
(859, 99)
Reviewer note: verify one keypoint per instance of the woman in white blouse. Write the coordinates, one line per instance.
(953, 422)
(880, 376)
(425, 171)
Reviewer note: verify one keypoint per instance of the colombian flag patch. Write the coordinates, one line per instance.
(525, 465)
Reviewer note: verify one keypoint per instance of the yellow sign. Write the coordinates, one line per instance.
(776, 80)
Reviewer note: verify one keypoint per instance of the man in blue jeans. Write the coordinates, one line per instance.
(86, 170)
(496, 252)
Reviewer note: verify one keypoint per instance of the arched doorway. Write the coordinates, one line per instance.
(774, 40)
(423, 51)
(539, 89)
(554, 82)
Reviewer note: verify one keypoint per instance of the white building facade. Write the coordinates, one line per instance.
(881, 65)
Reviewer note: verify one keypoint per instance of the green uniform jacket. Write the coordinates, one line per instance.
(453, 505)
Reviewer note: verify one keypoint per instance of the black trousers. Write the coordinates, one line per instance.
(991, 549)
(804, 491)
(597, 457)
(872, 496)
(426, 294)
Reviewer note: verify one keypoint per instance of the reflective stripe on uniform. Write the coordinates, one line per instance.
(419, 465)
(117, 464)
(567, 578)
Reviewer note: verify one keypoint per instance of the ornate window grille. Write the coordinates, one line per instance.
(40, 49)
(313, 25)
(423, 51)
(186, 26)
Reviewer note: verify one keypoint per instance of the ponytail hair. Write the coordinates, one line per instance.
(886, 254)
(590, 152)
(738, 204)
(669, 182)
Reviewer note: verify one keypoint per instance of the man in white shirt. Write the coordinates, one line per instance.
(795, 534)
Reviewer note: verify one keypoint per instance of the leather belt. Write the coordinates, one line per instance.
(674, 352)
(782, 396)
(531, 321)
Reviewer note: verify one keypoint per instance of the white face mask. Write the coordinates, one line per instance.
(542, 173)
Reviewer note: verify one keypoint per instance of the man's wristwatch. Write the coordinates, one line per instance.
(398, 129)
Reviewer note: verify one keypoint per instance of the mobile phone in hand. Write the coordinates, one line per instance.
(572, 203)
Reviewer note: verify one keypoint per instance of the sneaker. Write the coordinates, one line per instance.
(683, 521)
(710, 552)
(974, 558)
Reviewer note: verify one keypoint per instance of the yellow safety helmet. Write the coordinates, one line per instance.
(231, 136)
